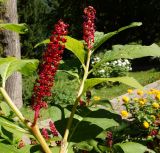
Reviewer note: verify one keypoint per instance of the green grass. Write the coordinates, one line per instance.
(143, 77)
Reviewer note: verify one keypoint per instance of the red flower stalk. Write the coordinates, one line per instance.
(53, 128)
(82, 103)
(48, 68)
(45, 133)
(88, 26)
(109, 139)
(153, 133)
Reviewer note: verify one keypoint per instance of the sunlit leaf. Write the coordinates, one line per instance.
(89, 83)
(10, 65)
(132, 147)
(129, 52)
(19, 28)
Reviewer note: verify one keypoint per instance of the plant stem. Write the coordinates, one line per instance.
(37, 134)
(33, 129)
(64, 144)
(14, 108)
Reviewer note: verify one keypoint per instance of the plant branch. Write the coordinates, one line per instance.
(14, 108)
(64, 144)
(33, 129)
(39, 137)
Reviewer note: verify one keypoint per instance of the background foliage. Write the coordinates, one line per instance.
(40, 15)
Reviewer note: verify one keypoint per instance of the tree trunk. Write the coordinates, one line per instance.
(11, 45)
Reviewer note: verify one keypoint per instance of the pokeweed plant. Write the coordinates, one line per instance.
(85, 124)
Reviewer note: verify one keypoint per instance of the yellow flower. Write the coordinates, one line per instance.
(124, 113)
(155, 91)
(140, 92)
(146, 124)
(150, 92)
(125, 99)
(155, 105)
(142, 101)
(158, 96)
(96, 98)
(129, 91)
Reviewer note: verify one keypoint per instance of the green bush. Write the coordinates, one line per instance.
(115, 68)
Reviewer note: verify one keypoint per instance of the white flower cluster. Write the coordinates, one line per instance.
(110, 69)
(121, 63)
(95, 60)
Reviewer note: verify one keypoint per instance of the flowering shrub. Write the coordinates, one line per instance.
(143, 107)
(114, 68)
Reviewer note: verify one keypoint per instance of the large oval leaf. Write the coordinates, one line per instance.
(90, 123)
(77, 47)
(100, 37)
(10, 65)
(19, 28)
(89, 83)
(129, 52)
(132, 147)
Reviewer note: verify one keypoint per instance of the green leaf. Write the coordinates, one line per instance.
(75, 46)
(46, 41)
(102, 102)
(19, 28)
(5, 108)
(89, 83)
(92, 124)
(7, 135)
(132, 147)
(84, 145)
(88, 145)
(100, 37)
(11, 126)
(10, 65)
(71, 73)
(6, 148)
(25, 149)
(129, 52)
(57, 149)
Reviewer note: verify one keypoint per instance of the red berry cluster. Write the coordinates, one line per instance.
(88, 26)
(53, 128)
(109, 139)
(48, 67)
(45, 133)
